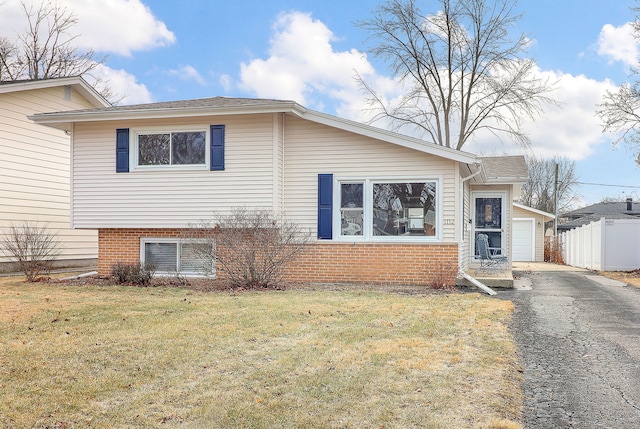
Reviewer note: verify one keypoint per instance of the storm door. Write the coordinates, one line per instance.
(489, 219)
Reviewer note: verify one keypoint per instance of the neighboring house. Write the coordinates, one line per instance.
(529, 233)
(382, 207)
(35, 162)
(593, 213)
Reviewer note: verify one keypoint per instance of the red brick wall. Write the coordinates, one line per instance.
(375, 263)
(322, 262)
(123, 245)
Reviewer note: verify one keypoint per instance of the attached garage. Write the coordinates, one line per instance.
(528, 233)
(524, 243)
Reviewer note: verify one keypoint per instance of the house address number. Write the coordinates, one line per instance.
(448, 221)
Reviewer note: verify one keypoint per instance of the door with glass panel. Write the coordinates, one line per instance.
(489, 219)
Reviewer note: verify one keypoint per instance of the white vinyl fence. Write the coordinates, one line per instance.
(605, 245)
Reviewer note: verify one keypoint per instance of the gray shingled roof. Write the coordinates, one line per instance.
(198, 103)
(595, 212)
(605, 208)
(501, 168)
(587, 219)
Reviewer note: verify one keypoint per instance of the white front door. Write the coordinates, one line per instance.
(489, 217)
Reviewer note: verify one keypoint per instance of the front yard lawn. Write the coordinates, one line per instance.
(105, 357)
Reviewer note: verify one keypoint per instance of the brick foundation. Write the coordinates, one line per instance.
(123, 245)
(321, 262)
(375, 263)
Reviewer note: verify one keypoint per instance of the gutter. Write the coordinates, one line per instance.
(477, 283)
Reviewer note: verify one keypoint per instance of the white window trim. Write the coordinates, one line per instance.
(145, 240)
(133, 143)
(367, 235)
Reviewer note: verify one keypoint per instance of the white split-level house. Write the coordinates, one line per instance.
(381, 207)
(35, 163)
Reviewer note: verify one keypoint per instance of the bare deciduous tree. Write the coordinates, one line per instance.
(32, 246)
(538, 192)
(251, 248)
(46, 49)
(620, 110)
(620, 113)
(464, 71)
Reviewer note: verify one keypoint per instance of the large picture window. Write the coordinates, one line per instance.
(170, 256)
(379, 210)
(181, 148)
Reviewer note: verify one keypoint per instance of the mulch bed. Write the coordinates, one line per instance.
(219, 285)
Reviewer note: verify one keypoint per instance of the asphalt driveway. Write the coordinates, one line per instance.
(579, 341)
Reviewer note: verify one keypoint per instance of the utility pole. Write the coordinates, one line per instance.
(555, 205)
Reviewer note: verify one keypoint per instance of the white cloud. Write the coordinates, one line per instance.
(112, 26)
(618, 44)
(570, 129)
(303, 66)
(226, 82)
(123, 84)
(187, 73)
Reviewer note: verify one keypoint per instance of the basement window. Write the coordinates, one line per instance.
(173, 256)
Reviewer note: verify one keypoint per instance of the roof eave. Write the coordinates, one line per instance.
(531, 209)
(76, 82)
(506, 180)
(59, 119)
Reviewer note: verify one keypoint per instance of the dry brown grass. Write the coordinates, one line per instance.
(630, 277)
(104, 357)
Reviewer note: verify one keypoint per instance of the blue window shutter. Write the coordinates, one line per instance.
(122, 150)
(325, 206)
(217, 147)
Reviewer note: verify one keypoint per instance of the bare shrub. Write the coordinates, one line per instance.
(139, 274)
(32, 246)
(444, 277)
(250, 247)
(553, 251)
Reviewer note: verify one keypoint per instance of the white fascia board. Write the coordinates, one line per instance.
(536, 211)
(78, 83)
(506, 180)
(56, 119)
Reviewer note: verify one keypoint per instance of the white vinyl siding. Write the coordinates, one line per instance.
(34, 168)
(312, 149)
(171, 199)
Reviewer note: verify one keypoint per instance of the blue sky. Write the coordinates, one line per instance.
(307, 50)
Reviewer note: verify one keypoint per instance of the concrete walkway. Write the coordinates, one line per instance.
(543, 266)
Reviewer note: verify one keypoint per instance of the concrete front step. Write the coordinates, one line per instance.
(503, 279)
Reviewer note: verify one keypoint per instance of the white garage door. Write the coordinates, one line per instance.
(523, 240)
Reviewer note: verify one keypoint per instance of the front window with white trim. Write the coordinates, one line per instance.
(173, 256)
(381, 210)
(170, 148)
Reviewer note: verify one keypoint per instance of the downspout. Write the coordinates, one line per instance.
(477, 283)
(461, 273)
(282, 164)
(471, 176)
